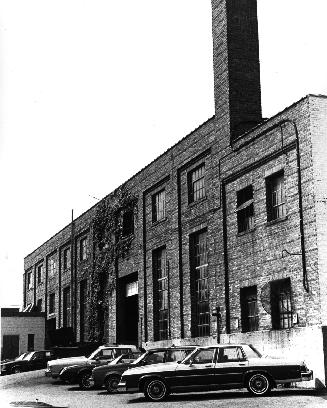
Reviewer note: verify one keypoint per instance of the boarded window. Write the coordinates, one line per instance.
(249, 309)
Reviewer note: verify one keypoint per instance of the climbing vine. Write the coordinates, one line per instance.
(110, 244)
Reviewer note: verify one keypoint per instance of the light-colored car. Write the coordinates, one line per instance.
(102, 355)
(220, 366)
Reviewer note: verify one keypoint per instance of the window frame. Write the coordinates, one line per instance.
(199, 271)
(127, 222)
(281, 319)
(39, 273)
(158, 213)
(195, 177)
(83, 249)
(249, 322)
(275, 191)
(52, 303)
(245, 209)
(66, 258)
(161, 293)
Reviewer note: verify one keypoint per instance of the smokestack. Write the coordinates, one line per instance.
(236, 64)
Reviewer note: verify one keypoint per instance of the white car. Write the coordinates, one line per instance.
(102, 355)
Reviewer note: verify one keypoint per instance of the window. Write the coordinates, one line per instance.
(199, 285)
(159, 206)
(29, 280)
(281, 305)
(83, 249)
(128, 223)
(39, 273)
(52, 298)
(206, 356)
(275, 196)
(196, 186)
(52, 266)
(230, 354)
(155, 357)
(249, 309)
(39, 305)
(160, 280)
(66, 258)
(30, 342)
(66, 307)
(82, 308)
(245, 209)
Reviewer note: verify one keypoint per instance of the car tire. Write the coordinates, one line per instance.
(155, 390)
(84, 381)
(111, 383)
(16, 370)
(258, 384)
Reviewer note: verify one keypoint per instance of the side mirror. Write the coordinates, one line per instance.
(97, 358)
(190, 362)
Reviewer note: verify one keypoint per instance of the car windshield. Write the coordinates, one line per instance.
(28, 356)
(21, 357)
(140, 358)
(93, 355)
(116, 360)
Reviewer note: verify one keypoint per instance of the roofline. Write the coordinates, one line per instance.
(125, 182)
(176, 144)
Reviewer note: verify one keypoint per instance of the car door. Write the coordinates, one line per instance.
(231, 365)
(198, 371)
(38, 361)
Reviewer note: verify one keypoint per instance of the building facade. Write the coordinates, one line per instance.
(223, 236)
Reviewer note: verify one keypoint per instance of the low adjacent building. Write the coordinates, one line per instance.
(21, 332)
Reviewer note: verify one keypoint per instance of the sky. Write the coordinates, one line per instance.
(91, 91)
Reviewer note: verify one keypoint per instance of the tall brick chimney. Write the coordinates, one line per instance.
(236, 64)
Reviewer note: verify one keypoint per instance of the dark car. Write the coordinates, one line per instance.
(34, 360)
(212, 368)
(109, 376)
(80, 373)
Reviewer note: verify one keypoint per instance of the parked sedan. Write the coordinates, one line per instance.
(215, 367)
(81, 373)
(34, 360)
(102, 355)
(109, 375)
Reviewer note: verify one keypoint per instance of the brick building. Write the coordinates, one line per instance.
(231, 218)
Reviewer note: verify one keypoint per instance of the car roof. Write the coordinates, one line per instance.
(172, 348)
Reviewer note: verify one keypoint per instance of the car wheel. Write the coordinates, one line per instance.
(16, 370)
(84, 381)
(155, 390)
(258, 384)
(111, 383)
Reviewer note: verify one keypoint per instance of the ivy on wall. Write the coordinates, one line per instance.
(109, 244)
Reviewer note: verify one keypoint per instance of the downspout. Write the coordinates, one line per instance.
(145, 303)
(180, 251)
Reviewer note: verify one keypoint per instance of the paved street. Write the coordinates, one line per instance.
(27, 387)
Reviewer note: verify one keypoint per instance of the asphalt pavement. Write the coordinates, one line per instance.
(33, 389)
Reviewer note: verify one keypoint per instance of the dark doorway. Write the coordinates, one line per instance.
(50, 327)
(10, 346)
(128, 310)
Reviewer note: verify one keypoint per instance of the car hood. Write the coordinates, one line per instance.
(111, 367)
(152, 368)
(68, 361)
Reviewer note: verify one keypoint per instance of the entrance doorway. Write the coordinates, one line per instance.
(128, 311)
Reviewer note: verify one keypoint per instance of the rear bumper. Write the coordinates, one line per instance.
(307, 376)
